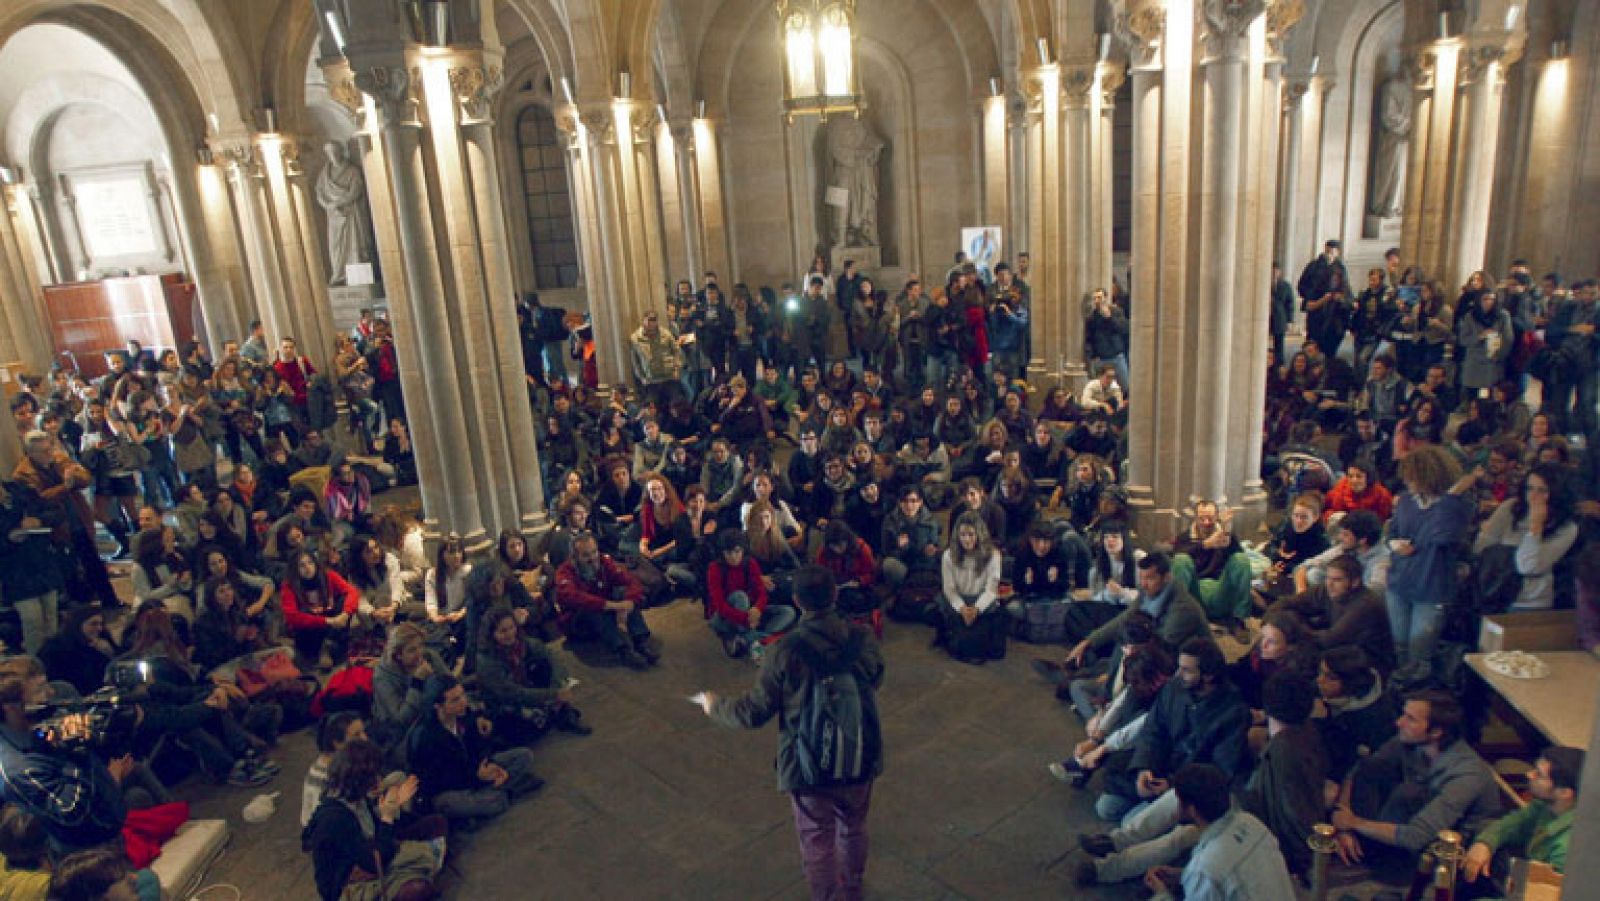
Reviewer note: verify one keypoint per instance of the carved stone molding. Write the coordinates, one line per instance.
(1419, 70)
(1139, 24)
(599, 123)
(1076, 83)
(396, 91)
(289, 151)
(474, 87)
(1282, 16)
(342, 86)
(1476, 60)
(1227, 23)
(1112, 75)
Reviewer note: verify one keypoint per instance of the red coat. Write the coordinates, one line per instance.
(574, 593)
(296, 374)
(296, 619)
(978, 323)
(1376, 498)
(856, 566)
(722, 582)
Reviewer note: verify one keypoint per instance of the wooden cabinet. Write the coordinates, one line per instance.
(89, 318)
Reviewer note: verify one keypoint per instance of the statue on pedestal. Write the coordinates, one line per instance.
(1392, 134)
(342, 194)
(853, 154)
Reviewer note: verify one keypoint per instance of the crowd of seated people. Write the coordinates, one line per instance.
(893, 440)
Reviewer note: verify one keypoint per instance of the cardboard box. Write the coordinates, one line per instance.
(1538, 630)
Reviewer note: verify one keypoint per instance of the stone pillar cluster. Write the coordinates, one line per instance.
(282, 251)
(1204, 192)
(1459, 84)
(24, 328)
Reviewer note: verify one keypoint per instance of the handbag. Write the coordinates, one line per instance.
(274, 669)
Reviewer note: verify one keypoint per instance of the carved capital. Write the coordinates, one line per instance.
(1076, 83)
(396, 91)
(1475, 62)
(474, 87)
(1282, 16)
(289, 152)
(1139, 25)
(1227, 22)
(1419, 67)
(1112, 75)
(342, 85)
(599, 123)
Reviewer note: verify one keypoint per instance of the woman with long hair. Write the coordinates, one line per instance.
(81, 651)
(1485, 341)
(1424, 427)
(524, 687)
(769, 546)
(1431, 522)
(399, 696)
(355, 851)
(535, 577)
(974, 629)
(1540, 528)
(162, 573)
(445, 588)
(319, 607)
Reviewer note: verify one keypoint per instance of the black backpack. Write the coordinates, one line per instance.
(552, 325)
(838, 741)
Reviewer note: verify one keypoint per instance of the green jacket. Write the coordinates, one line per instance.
(1535, 830)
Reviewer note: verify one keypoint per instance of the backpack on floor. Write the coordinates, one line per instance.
(1043, 622)
(838, 742)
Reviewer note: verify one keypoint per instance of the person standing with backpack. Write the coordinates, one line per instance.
(820, 681)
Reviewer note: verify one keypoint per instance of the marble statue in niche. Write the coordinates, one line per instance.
(854, 152)
(342, 194)
(1391, 134)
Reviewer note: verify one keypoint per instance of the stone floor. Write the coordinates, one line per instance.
(661, 803)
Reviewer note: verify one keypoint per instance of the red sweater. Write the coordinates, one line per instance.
(856, 566)
(1376, 498)
(296, 374)
(723, 582)
(574, 593)
(296, 619)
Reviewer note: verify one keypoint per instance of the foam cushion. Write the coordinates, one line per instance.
(185, 859)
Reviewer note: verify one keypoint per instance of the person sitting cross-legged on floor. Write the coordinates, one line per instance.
(1179, 617)
(604, 600)
(449, 751)
(1235, 857)
(1538, 832)
(1197, 717)
(525, 688)
(355, 852)
(974, 622)
(737, 591)
(1425, 779)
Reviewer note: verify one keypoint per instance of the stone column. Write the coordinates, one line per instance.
(10, 445)
(1297, 197)
(1101, 201)
(1048, 249)
(694, 239)
(1030, 140)
(1203, 202)
(994, 158)
(299, 247)
(675, 224)
(1482, 77)
(1077, 210)
(255, 227)
(713, 215)
(27, 339)
(1433, 166)
(584, 160)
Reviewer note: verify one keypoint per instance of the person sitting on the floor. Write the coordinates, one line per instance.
(974, 623)
(737, 598)
(1179, 617)
(399, 683)
(1342, 610)
(1197, 718)
(1360, 714)
(336, 730)
(24, 856)
(851, 562)
(604, 600)
(1209, 561)
(351, 838)
(1359, 534)
(1235, 856)
(1114, 727)
(96, 874)
(525, 688)
(1425, 779)
(1285, 792)
(1043, 572)
(1537, 832)
(1284, 646)
(450, 753)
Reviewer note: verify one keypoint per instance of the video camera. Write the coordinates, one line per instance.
(108, 718)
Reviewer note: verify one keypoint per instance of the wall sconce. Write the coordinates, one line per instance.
(335, 28)
(994, 87)
(1105, 47)
(1316, 63)
(661, 113)
(625, 85)
(699, 109)
(1044, 51)
(1513, 13)
(204, 155)
(1444, 26)
(1558, 49)
(9, 176)
(566, 89)
(269, 120)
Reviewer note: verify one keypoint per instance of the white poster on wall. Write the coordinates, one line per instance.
(983, 247)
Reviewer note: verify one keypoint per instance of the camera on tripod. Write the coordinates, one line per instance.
(103, 720)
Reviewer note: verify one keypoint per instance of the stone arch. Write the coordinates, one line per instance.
(547, 29)
(283, 74)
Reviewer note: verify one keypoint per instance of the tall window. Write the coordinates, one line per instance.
(544, 181)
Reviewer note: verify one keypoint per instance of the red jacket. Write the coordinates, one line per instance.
(978, 324)
(296, 619)
(574, 593)
(1376, 498)
(856, 566)
(296, 374)
(722, 582)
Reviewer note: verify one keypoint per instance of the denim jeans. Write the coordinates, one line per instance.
(1416, 624)
(776, 620)
(941, 364)
(1118, 362)
(1148, 837)
(486, 802)
(832, 825)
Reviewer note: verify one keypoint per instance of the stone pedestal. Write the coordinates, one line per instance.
(348, 301)
(868, 259)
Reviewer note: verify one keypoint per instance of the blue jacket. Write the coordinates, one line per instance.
(1006, 330)
(1181, 728)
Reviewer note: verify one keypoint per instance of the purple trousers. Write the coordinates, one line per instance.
(832, 824)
